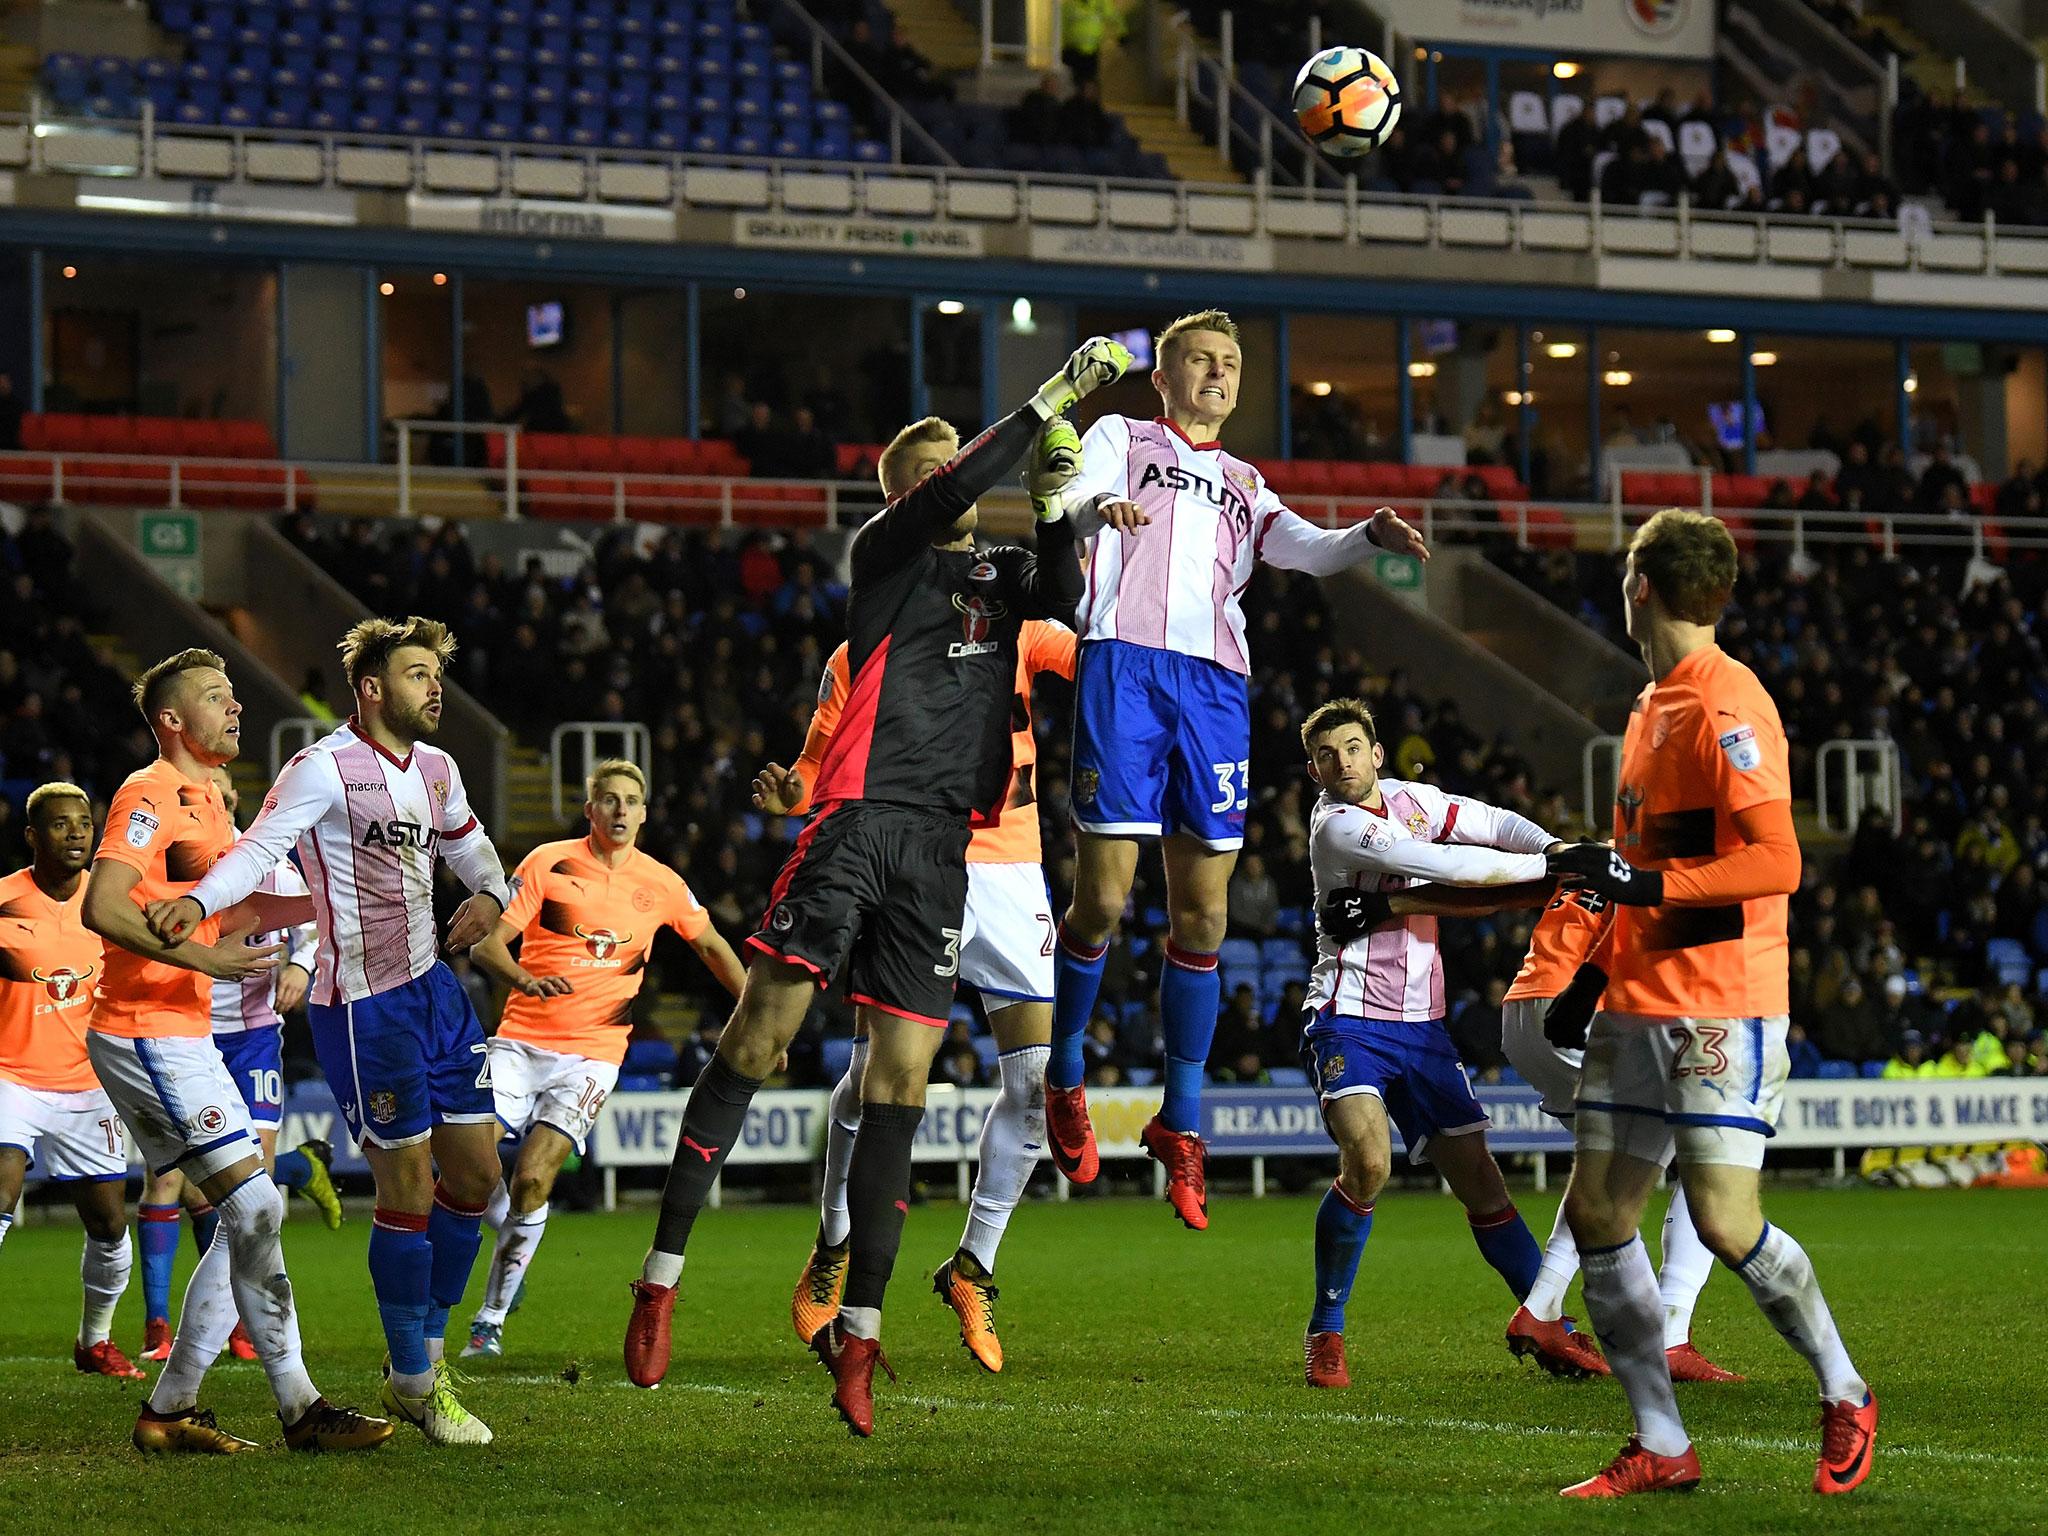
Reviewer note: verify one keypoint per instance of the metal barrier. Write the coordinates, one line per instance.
(1870, 770)
(432, 429)
(1600, 771)
(636, 745)
(291, 736)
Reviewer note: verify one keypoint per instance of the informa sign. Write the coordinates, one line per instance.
(1136, 248)
(1679, 29)
(880, 237)
(538, 219)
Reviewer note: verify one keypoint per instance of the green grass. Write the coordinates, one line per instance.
(1153, 1384)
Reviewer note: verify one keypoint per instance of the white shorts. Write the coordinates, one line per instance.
(177, 1100)
(1551, 1070)
(1007, 936)
(73, 1136)
(534, 1086)
(1710, 1089)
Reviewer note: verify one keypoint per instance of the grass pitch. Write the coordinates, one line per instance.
(1153, 1383)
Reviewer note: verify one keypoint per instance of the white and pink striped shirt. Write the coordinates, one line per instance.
(368, 827)
(251, 1003)
(1418, 833)
(1174, 584)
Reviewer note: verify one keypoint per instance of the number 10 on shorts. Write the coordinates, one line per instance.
(1234, 785)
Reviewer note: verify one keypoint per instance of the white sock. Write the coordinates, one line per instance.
(1780, 1276)
(842, 1122)
(517, 1240)
(437, 1349)
(104, 1266)
(1012, 1140)
(6, 1224)
(252, 1221)
(861, 1322)
(1545, 1300)
(662, 1268)
(499, 1208)
(1687, 1262)
(1621, 1302)
(205, 1319)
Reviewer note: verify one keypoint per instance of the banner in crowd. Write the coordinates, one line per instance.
(1679, 29)
(640, 1130)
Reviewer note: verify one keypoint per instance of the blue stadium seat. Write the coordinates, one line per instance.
(1238, 953)
(986, 1049)
(1836, 1070)
(1142, 1077)
(837, 1052)
(1239, 976)
(641, 1082)
(651, 1054)
(1288, 1077)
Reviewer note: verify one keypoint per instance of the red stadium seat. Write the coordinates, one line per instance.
(1383, 479)
(1741, 490)
(1502, 483)
(26, 479)
(716, 456)
(1351, 479)
(1550, 528)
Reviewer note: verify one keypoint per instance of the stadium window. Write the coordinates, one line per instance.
(417, 329)
(1820, 394)
(540, 352)
(155, 338)
(1985, 400)
(1560, 436)
(1673, 378)
(844, 357)
(1343, 396)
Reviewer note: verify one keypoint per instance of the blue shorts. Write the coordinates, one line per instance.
(406, 1060)
(1162, 743)
(1412, 1069)
(255, 1060)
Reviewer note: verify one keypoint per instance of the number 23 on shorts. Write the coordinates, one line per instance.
(1700, 1051)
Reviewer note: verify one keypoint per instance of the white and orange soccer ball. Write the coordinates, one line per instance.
(1347, 101)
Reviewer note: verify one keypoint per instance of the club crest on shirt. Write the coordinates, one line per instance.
(1630, 798)
(1242, 477)
(983, 571)
(1743, 750)
(781, 919)
(210, 1120)
(439, 789)
(383, 1106)
(643, 900)
(63, 983)
(141, 828)
(1086, 783)
(1417, 822)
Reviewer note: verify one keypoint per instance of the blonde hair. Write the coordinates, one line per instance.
(57, 789)
(889, 469)
(615, 768)
(366, 649)
(152, 690)
(1327, 717)
(1689, 560)
(1201, 320)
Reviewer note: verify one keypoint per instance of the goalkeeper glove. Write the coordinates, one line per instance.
(1570, 1013)
(1096, 362)
(1055, 461)
(1347, 913)
(1602, 870)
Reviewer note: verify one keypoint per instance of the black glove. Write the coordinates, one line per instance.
(1602, 870)
(1346, 913)
(1570, 1013)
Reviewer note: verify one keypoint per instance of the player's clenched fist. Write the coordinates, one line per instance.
(1096, 362)
(1602, 870)
(173, 921)
(778, 790)
(1054, 461)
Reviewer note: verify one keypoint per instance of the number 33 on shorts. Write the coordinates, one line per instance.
(1233, 786)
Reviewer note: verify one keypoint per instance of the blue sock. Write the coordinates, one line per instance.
(1342, 1226)
(401, 1273)
(1505, 1242)
(156, 1228)
(205, 1222)
(294, 1169)
(455, 1233)
(1077, 979)
(1190, 993)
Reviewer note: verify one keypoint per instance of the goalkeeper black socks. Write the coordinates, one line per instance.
(711, 1124)
(878, 1197)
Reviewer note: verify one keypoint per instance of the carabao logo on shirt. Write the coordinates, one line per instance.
(1743, 750)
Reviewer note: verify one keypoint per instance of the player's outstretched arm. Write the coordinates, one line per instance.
(492, 955)
(1285, 539)
(110, 911)
(296, 801)
(1478, 823)
(1766, 863)
(1470, 900)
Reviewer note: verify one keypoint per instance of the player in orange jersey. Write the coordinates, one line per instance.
(50, 1103)
(585, 912)
(151, 1046)
(1005, 954)
(1688, 1050)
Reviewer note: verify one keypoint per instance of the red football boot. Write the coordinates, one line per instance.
(647, 1333)
(1556, 1346)
(240, 1345)
(1186, 1162)
(1071, 1135)
(1324, 1356)
(1636, 1470)
(1848, 1435)
(105, 1359)
(1688, 1364)
(156, 1338)
(852, 1363)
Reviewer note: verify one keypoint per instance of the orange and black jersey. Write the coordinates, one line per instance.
(932, 640)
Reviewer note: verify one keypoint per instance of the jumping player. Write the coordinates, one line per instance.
(585, 912)
(1161, 718)
(1543, 1035)
(151, 1046)
(370, 810)
(1005, 955)
(1375, 1041)
(877, 882)
(51, 1106)
(1689, 1048)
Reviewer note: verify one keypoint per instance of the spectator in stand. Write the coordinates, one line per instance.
(1835, 186)
(1876, 194)
(1083, 123)
(811, 454)
(1938, 479)
(1623, 134)
(1036, 118)
(1254, 899)
(1573, 154)
(1662, 177)
(1244, 1047)
(1622, 183)
(1911, 1060)
(1818, 496)
(908, 74)
(1792, 184)
(1440, 165)
(1972, 168)
(1959, 1060)
(1715, 187)
(1086, 28)
(540, 407)
(1664, 109)
(763, 442)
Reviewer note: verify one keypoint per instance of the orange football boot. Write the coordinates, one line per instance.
(1186, 1162)
(818, 1290)
(1636, 1470)
(1848, 1435)
(1558, 1347)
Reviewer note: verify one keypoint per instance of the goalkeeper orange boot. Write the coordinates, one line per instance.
(962, 1284)
(818, 1289)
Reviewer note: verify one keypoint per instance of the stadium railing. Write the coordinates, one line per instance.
(1848, 776)
(124, 165)
(634, 741)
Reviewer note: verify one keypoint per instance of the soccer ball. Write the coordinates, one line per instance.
(1347, 101)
